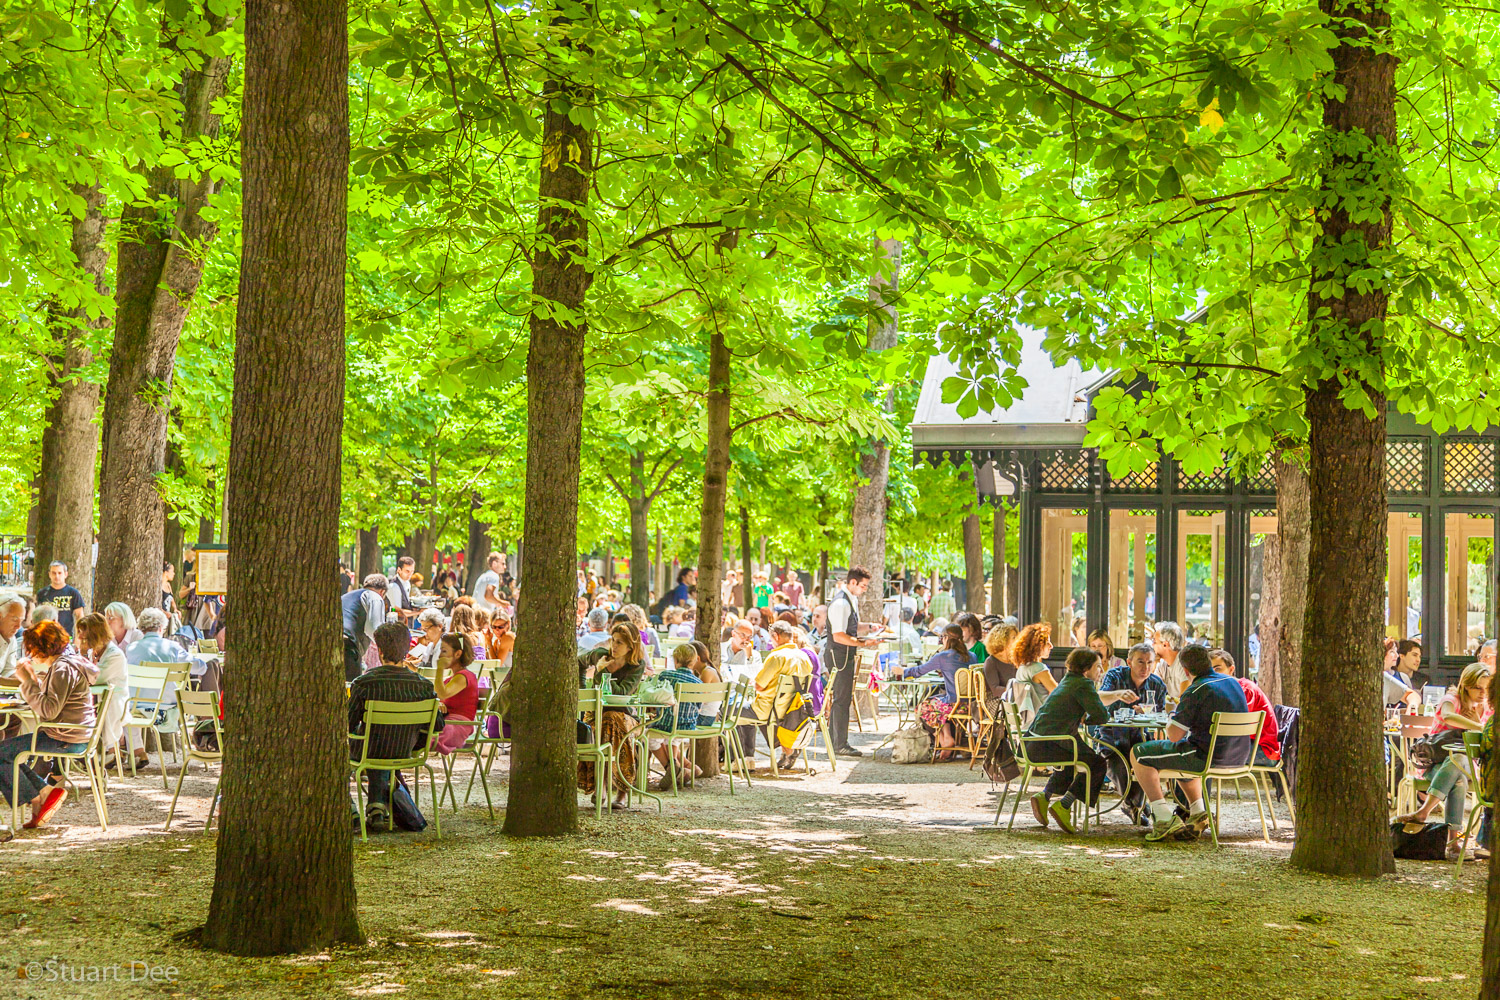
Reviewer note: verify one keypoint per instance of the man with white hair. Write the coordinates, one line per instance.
(738, 656)
(598, 631)
(1487, 654)
(152, 646)
(12, 616)
(1167, 644)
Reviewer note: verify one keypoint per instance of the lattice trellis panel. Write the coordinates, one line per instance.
(1144, 481)
(1406, 467)
(1263, 481)
(1216, 481)
(1066, 473)
(1469, 467)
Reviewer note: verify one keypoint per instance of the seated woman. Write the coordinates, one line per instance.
(55, 685)
(429, 649)
(466, 621)
(934, 711)
(110, 668)
(999, 671)
(973, 632)
(649, 640)
(1073, 702)
(1101, 643)
(623, 661)
(122, 626)
(1466, 707)
(1034, 681)
(499, 640)
(458, 688)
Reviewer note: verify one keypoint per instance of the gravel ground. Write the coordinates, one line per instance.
(876, 881)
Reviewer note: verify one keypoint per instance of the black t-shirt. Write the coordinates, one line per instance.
(66, 600)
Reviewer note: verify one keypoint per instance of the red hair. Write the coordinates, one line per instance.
(1031, 642)
(46, 638)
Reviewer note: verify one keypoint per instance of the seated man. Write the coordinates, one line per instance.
(1136, 677)
(390, 681)
(1268, 746)
(1186, 745)
(785, 658)
(738, 656)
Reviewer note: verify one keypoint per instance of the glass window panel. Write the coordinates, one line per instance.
(1403, 573)
(1132, 575)
(1065, 557)
(1468, 582)
(1200, 570)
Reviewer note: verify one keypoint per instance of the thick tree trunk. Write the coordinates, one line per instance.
(160, 265)
(870, 501)
(70, 438)
(1341, 808)
(543, 796)
(1268, 627)
(997, 572)
(478, 548)
(371, 556)
(747, 579)
(822, 576)
(640, 533)
(1490, 962)
(284, 875)
(172, 532)
(715, 497)
(974, 561)
(1293, 524)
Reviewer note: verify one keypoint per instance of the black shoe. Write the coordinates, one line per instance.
(847, 752)
(377, 818)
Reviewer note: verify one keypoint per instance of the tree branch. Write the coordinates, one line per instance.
(636, 244)
(662, 483)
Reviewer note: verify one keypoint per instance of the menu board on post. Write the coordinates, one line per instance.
(211, 563)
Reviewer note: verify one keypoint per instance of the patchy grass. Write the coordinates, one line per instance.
(878, 881)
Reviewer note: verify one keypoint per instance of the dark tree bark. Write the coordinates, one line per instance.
(1268, 626)
(1341, 799)
(973, 559)
(1293, 524)
(70, 438)
(643, 489)
(747, 587)
(284, 876)
(478, 548)
(172, 532)
(715, 498)
(1490, 961)
(371, 556)
(870, 501)
(543, 800)
(997, 572)
(160, 265)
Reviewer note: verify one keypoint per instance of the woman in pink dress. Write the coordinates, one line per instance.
(457, 686)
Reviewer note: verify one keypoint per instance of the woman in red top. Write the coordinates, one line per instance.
(459, 688)
(1268, 744)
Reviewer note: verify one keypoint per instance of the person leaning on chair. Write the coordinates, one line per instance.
(391, 681)
(1186, 745)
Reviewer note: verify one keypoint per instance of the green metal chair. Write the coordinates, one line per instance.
(601, 754)
(88, 756)
(1020, 742)
(698, 694)
(486, 748)
(1227, 724)
(142, 711)
(398, 713)
(194, 707)
(1475, 775)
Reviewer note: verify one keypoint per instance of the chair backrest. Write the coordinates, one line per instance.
(402, 713)
(672, 642)
(1013, 723)
(1474, 770)
(194, 707)
(208, 645)
(591, 710)
(698, 694)
(866, 659)
(740, 697)
(428, 672)
(1414, 726)
(965, 681)
(1230, 725)
(156, 677)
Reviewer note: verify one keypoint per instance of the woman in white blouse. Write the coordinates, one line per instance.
(92, 633)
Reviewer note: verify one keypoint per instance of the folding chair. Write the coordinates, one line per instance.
(1021, 742)
(398, 713)
(1412, 728)
(1229, 725)
(695, 694)
(485, 747)
(1475, 775)
(964, 715)
(864, 666)
(88, 755)
(601, 754)
(142, 711)
(194, 707)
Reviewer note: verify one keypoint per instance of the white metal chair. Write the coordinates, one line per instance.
(194, 707)
(88, 756)
(1227, 725)
(142, 711)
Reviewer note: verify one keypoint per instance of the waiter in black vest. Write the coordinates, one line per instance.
(844, 644)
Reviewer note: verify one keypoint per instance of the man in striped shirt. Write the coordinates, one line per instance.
(391, 681)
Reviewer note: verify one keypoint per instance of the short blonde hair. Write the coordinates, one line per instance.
(999, 640)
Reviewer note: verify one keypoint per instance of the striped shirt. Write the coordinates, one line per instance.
(387, 682)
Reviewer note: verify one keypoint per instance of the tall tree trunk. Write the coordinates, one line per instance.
(543, 797)
(1490, 960)
(870, 501)
(1268, 625)
(160, 265)
(974, 560)
(1341, 808)
(640, 532)
(1293, 524)
(371, 556)
(997, 571)
(715, 497)
(747, 589)
(478, 548)
(206, 524)
(172, 531)
(70, 438)
(823, 576)
(284, 877)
